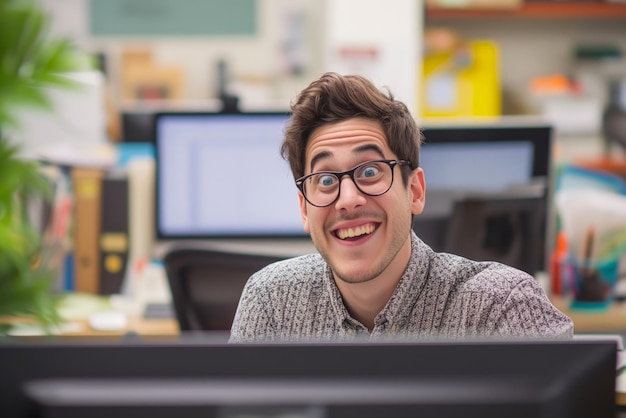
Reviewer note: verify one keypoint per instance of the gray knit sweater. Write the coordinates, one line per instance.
(439, 295)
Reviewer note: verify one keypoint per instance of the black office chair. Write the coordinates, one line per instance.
(206, 285)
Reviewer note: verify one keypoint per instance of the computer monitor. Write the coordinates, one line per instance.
(362, 379)
(222, 175)
(463, 161)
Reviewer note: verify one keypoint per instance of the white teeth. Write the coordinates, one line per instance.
(355, 232)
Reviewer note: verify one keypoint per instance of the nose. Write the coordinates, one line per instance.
(350, 197)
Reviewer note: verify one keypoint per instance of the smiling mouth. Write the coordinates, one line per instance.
(359, 231)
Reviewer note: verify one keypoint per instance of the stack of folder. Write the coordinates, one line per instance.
(101, 230)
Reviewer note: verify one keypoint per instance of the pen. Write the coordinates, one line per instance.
(592, 287)
(588, 249)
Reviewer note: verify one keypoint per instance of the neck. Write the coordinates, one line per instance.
(365, 300)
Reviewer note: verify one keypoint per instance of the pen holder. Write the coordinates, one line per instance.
(593, 283)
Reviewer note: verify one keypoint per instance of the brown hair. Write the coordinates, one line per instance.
(334, 98)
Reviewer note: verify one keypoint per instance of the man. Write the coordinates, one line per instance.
(354, 153)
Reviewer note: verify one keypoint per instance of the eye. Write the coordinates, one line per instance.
(326, 180)
(369, 171)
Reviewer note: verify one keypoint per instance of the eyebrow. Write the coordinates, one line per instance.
(359, 150)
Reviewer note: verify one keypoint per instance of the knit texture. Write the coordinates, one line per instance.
(440, 295)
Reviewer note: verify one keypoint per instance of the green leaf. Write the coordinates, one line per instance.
(32, 63)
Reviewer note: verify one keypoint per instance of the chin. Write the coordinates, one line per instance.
(356, 275)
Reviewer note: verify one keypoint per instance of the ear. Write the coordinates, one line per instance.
(417, 191)
(303, 213)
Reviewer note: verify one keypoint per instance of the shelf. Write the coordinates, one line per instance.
(535, 10)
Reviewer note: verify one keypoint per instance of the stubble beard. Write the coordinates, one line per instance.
(399, 235)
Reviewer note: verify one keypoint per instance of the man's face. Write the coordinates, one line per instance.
(378, 226)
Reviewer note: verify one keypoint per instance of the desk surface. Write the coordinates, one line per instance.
(145, 328)
(161, 328)
(612, 319)
(76, 310)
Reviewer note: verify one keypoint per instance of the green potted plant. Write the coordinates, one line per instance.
(31, 63)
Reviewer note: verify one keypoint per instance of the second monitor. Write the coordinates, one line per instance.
(486, 191)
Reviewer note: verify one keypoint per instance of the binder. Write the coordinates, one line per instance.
(113, 242)
(52, 220)
(86, 187)
(141, 172)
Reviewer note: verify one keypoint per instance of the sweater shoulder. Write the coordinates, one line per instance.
(478, 276)
(289, 272)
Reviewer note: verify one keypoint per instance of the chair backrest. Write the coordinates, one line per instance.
(206, 285)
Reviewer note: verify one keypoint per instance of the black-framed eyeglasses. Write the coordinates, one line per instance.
(373, 178)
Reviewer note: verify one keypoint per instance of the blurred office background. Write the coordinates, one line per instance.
(188, 53)
(476, 60)
(446, 59)
(517, 62)
(265, 51)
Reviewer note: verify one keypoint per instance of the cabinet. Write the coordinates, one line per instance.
(535, 10)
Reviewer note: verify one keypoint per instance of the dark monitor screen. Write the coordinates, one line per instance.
(399, 379)
(222, 175)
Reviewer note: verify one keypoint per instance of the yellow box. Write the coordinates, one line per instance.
(462, 83)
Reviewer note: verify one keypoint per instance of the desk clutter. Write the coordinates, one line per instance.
(97, 239)
(588, 261)
(87, 315)
(98, 227)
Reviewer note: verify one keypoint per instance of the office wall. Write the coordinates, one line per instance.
(257, 59)
(529, 47)
(379, 39)
(285, 54)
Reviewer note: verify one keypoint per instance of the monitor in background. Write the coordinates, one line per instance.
(214, 379)
(222, 175)
(489, 162)
(470, 159)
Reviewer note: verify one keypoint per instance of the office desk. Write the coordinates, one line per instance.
(136, 325)
(76, 309)
(611, 320)
(162, 328)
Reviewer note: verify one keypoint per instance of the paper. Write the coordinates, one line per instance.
(582, 210)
